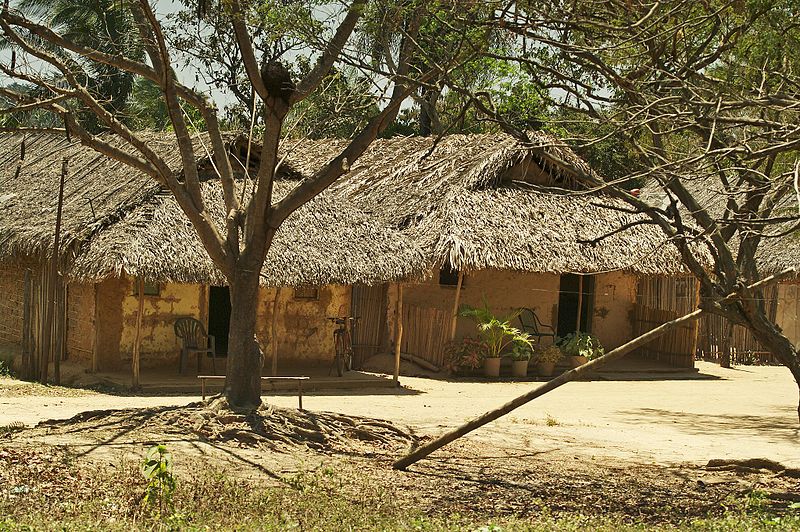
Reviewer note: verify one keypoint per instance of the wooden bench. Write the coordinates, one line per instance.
(299, 380)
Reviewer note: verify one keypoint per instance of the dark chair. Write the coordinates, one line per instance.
(195, 342)
(531, 324)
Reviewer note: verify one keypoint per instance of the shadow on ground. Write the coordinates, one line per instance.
(778, 424)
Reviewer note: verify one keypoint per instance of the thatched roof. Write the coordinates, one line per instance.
(776, 253)
(98, 190)
(486, 201)
(323, 242)
(408, 205)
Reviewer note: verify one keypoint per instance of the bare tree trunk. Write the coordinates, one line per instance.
(770, 337)
(243, 376)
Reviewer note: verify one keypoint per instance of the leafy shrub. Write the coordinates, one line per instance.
(581, 344)
(549, 355)
(465, 354)
(157, 470)
(521, 351)
(497, 333)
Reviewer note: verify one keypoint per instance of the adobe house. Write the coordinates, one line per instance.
(417, 227)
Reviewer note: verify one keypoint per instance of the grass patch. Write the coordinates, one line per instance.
(48, 489)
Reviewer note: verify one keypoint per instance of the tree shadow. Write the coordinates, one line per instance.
(780, 424)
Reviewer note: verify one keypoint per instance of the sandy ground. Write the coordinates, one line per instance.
(741, 413)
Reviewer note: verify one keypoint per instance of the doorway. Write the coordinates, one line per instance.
(575, 304)
(219, 316)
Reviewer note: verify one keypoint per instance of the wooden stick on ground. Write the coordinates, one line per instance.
(551, 385)
(571, 375)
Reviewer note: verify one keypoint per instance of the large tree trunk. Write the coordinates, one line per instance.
(243, 377)
(771, 338)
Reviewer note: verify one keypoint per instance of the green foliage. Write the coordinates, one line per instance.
(161, 484)
(581, 344)
(104, 25)
(5, 369)
(340, 108)
(549, 355)
(521, 351)
(465, 354)
(497, 333)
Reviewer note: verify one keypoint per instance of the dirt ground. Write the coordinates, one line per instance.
(741, 413)
(635, 448)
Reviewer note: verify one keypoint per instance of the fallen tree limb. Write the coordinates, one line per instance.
(551, 385)
(614, 354)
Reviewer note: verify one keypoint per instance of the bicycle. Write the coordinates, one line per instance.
(343, 344)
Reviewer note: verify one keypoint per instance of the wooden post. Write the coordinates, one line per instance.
(273, 345)
(398, 333)
(697, 324)
(94, 330)
(456, 302)
(137, 342)
(47, 336)
(580, 302)
(551, 385)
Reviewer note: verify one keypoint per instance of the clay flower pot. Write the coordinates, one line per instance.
(545, 369)
(576, 361)
(491, 367)
(519, 368)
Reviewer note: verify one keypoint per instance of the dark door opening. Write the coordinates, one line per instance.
(574, 289)
(219, 316)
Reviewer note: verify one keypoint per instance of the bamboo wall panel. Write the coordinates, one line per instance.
(718, 336)
(369, 304)
(425, 333)
(674, 348)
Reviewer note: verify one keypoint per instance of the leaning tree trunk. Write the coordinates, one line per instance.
(243, 377)
(771, 338)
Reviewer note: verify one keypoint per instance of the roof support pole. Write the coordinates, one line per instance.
(137, 342)
(273, 344)
(50, 298)
(580, 302)
(456, 303)
(398, 332)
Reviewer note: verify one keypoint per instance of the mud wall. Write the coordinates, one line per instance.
(80, 322)
(11, 300)
(304, 334)
(110, 294)
(505, 291)
(160, 346)
(615, 295)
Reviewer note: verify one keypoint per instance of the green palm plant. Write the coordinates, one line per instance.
(105, 25)
(496, 332)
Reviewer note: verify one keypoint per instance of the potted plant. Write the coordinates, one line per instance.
(581, 347)
(546, 360)
(520, 356)
(465, 356)
(496, 333)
